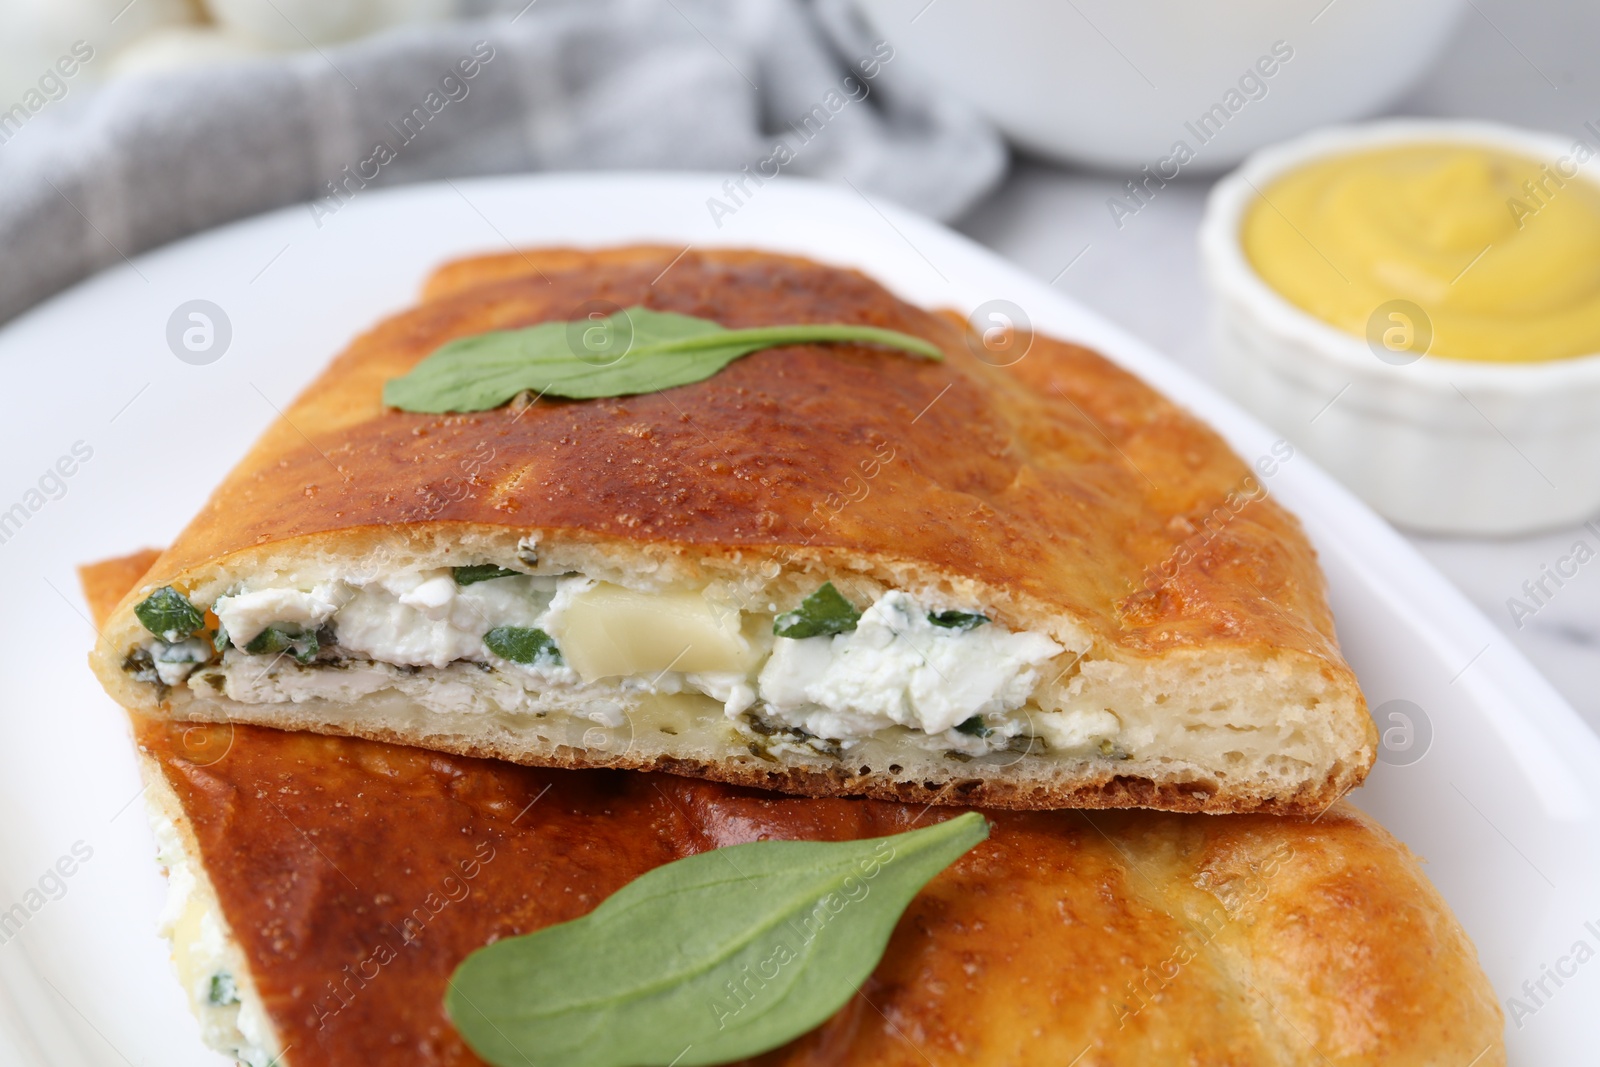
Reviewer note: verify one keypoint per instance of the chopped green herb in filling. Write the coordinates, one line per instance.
(776, 732)
(140, 664)
(822, 613)
(169, 615)
(974, 727)
(521, 644)
(222, 991)
(273, 640)
(957, 620)
(480, 572)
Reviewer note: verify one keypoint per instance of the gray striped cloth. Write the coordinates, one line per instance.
(757, 86)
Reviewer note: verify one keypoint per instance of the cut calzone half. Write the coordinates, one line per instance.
(832, 566)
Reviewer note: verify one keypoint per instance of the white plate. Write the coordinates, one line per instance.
(1502, 802)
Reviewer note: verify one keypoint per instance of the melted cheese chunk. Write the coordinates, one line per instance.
(607, 631)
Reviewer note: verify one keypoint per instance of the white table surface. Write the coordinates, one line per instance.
(1513, 61)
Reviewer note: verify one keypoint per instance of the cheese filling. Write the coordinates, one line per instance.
(210, 966)
(899, 668)
(583, 646)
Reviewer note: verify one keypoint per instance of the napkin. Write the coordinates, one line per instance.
(745, 89)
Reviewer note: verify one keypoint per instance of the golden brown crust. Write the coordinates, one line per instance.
(104, 583)
(1062, 489)
(1064, 931)
(356, 875)
(1076, 501)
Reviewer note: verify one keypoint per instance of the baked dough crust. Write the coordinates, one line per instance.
(1061, 492)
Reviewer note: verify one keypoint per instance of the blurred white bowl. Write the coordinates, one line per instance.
(1438, 445)
(184, 47)
(1112, 83)
(306, 23)
(34, 34)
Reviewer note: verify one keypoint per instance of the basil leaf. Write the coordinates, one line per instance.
(219, 638)
(272, 640)
(709, 959)
(636, 350)
(521, 644)
(169, 615)
(957, 620)
(824, 612)
(974, 727)
(480, 572)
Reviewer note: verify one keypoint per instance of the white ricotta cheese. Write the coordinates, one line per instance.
(736, 691)
(426, 620)
(244, 616)
(175, 662)
(898, 668)
(1076, 729)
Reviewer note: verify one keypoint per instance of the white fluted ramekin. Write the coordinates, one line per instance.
(1436, 445)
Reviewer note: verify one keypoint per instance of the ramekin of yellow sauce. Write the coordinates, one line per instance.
(1500, 250)
(1417, 304)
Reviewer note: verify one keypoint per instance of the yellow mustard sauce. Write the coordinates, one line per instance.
(1501, 253)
